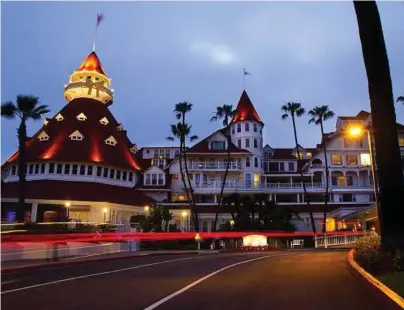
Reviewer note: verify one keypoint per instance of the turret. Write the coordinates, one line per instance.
(89, 81)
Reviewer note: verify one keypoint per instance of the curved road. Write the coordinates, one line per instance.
(291, 280)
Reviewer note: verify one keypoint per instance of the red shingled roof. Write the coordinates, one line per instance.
(81, 191)
(92, 63)
(246, 110)
(92, 148)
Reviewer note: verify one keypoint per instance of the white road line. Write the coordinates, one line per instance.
(95, 274)
(165, 299)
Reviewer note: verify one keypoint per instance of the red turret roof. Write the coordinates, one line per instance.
(92, 63)
(60, 147)
(246, 110)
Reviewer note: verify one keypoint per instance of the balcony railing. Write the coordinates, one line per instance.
(214, 165)
(235, 185)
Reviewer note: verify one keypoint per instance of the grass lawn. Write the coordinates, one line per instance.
(395, 281)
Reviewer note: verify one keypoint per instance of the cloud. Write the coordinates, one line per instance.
(217, 53)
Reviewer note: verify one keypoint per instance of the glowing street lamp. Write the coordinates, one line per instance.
(231, 223)
(198, 239)
(67, 205)
(356, 131)
(147, 208)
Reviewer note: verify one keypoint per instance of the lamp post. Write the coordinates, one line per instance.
(105, 210)
(356, 132)
(67, 205)
(198, 239)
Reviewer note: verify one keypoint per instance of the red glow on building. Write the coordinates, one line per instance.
(53, 149)
(92, 63)
(95, 152)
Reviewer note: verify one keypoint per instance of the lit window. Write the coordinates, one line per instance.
(401, 141)
(77, 136)
(111, 141)
(43, 136)
(81, 117)
(336, 159)
(175, 176)
(309, 155)
(45, 121)
(104, 121)
(352, 160)
(59, 117)
(134, 149)
(365, 159)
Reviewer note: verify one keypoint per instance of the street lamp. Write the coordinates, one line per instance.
(146, 208)
(184, 215)
(198, 239)
(356, 131)
(105, 210)
(67, 205)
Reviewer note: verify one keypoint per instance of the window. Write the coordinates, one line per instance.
(148, 179)
(291, 166)
(309, 155)
(59, 117)
(349, 180)
(256, 162)
(74, 169)
(281, 166)
(43, 136)
(13, 170)
(336, 159)
(255, 143)
(104, 121)
(177, 152)
(273, 167)
(124, 175)
(42, 168)
(401, 141)
(67, 168)
(118, 174)
(247, 126)
(360, 143)
(338, 180)
(130, 176)
(77, 136)
(255, 127)
(51, 168)
(239, 143)
(30, 169)
(99, 171)
(247, 142)
(111, 141)
(112, 173)
(161, 179)
(365, 159)
(167, 153)
(154, 179)
(238, 127)
(352, 160)
(233, 131)
(82, 170)
(346, 142)
(347, 198)
(247, 162)
(217, 145)
(175, 176)
(81, 117)
(159, 163)
(105, 173)
(36, 168)
(90, 170)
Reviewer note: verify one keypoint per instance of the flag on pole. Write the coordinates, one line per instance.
(246, 73)
(100, 17)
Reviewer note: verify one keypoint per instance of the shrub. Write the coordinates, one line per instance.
(367, 252)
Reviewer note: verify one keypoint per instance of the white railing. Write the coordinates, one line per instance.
(213, 165)
(334, 240)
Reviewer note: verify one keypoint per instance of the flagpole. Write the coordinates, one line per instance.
(244, 78)
(95, 34)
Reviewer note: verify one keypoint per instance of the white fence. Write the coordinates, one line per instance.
(335, 240)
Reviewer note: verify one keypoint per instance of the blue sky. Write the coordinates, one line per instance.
(161, 53)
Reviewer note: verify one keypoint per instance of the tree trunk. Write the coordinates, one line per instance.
(326, 178)
(300, 169)
(183, 178)
(22, 138)
(221, 202)
(389, 169)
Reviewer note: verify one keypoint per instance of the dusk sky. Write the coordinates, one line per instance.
(162, 53)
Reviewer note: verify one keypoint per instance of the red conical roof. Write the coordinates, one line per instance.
(60, 147)
(92, 63)
(246, 110)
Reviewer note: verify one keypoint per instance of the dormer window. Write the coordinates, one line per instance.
(111, 141)
(134, 149)
(81, 117)
(45, 121)
(120, 127)
(59, 117)
(104, 121)
(217, 145)
(76, 136)
(43, 136)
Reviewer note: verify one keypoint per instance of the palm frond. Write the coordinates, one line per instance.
(8, 110)
(300, 111)
(328, 115)
(213, 118)
(170, 138)
(193, 138)
(400, 99)
(26, 103)
(285, 116)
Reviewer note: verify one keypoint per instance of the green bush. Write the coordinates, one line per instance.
(367, 252)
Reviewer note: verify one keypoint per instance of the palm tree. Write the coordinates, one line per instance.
(295, 109)
(319, 115)
(224, 113)
(391, 183)
(26, 108)
(400, 99)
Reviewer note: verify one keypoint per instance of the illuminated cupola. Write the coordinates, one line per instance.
(90, 81)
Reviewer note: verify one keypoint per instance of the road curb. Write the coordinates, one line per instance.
(97, 260)
(374, 282)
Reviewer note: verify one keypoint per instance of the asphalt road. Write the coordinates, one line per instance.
(292, 280)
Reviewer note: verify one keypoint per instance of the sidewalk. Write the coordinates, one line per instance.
(32, 264)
